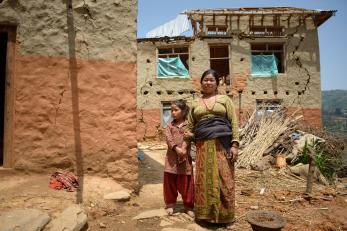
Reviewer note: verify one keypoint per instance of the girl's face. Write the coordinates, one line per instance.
(209, 84)
(176, 112)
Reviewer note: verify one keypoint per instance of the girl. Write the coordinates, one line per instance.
(178, 170)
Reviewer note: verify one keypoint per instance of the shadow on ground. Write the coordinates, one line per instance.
(150, 169)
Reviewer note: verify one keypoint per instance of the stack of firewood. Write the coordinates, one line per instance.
(265, 132)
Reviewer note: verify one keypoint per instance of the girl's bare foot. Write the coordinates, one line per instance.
(190, 212)
(169, 211)
(230, 226)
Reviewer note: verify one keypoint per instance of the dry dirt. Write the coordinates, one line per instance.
(326, 210)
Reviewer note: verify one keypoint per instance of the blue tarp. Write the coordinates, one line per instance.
(171, 67)
(264, 65)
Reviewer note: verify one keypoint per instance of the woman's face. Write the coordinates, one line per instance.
(209, 84)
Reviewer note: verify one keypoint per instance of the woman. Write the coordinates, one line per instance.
(212, 124)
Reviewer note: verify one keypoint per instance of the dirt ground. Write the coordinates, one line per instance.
(326, 210)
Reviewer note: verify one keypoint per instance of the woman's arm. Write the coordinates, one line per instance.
(231, 114)
(188, 135)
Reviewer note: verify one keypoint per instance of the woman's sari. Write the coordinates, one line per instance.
(215, 185)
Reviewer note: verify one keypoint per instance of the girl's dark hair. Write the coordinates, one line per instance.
(210, 72)
(181, 104)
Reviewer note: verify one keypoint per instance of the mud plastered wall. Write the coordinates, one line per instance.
(152, 92)
(105, 73)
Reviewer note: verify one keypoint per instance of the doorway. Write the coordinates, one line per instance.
(3, 65)
(7, 90)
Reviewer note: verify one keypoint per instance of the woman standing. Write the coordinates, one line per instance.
(212, 124)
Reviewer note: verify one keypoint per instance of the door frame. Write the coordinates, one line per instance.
(9, 95)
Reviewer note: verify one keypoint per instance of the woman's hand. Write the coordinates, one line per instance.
(234, 151)
(188, 135)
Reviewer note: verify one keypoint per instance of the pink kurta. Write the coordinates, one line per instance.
(174, 137)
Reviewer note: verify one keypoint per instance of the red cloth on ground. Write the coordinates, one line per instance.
(55, 184)
(184, 184)
(64, 180)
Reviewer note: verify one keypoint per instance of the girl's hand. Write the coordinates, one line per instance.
(234, 151)
(179, 151)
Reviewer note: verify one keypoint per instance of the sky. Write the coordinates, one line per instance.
(332, 33)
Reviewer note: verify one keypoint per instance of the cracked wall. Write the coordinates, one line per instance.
(106, 72)
(298, 87)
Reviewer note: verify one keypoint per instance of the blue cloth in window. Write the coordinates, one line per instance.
(264, 66)
(168, 67)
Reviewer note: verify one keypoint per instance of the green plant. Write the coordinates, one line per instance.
(321, 161)
(303, 158)
(326, 164)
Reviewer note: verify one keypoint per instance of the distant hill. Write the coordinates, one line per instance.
(334, 99)
(334, 107)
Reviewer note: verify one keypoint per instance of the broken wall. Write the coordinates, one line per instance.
(82, 110)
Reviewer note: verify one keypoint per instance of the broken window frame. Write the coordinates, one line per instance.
(267, 51)
(267, 105)
(266, 31)
(165, 106)
(219, 45)
(216, 30)
(174, 53)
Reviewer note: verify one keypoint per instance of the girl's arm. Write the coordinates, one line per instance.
(184, 147)
(171, 142)
(169, 138)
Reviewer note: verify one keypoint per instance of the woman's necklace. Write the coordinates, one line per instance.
(207, 108)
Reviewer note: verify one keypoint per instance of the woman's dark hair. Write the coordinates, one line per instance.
(210, 72)
(181, 104)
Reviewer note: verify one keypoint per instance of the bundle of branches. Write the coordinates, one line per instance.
(333, 146)
(283, 144)
(248, 131)
(331, 152)
(260, 132)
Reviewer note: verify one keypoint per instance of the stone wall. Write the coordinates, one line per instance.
(298, 87)
(78, 112)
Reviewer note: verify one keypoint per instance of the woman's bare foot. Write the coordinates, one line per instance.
(169, 211)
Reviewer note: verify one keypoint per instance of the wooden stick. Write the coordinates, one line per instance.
(292, 200)
(311, 168)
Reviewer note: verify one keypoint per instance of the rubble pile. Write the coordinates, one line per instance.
(274, 137)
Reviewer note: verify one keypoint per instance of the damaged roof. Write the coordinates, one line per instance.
(166, 39)
(319, 16)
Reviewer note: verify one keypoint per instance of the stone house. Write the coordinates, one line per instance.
(68, 80)
(265, 56)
